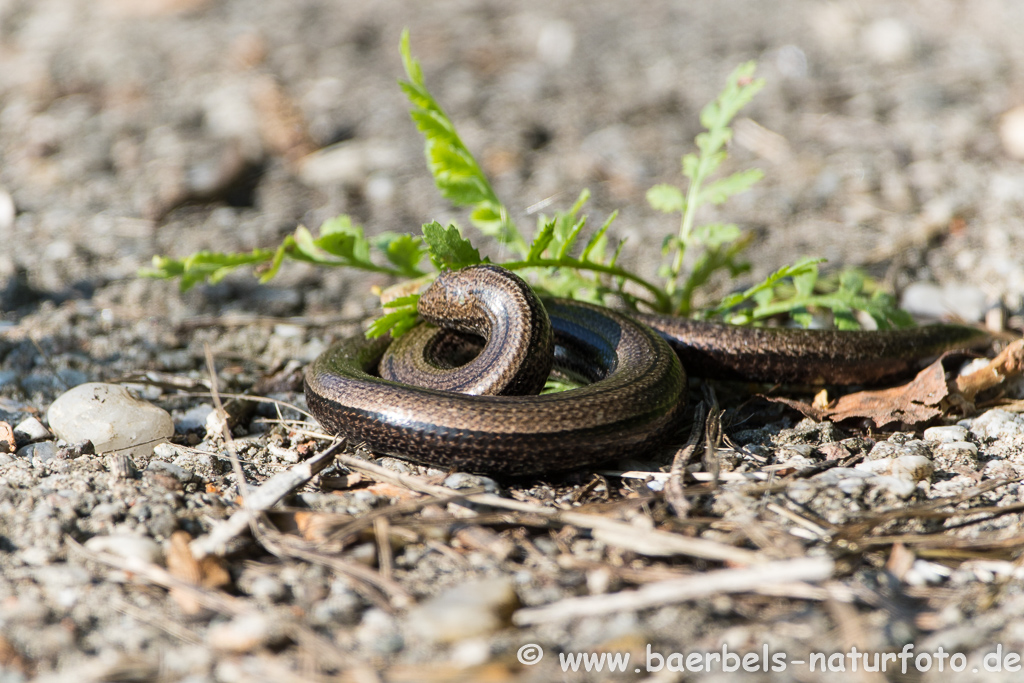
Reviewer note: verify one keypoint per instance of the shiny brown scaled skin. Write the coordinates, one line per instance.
(798, 356)
(489, 302)
(635, 402)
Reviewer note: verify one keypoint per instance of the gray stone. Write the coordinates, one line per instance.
(111, 418)
(185, 476)
(38, 453)
(468, 610)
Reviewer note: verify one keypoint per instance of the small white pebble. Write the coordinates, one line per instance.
(244, 633)
(945, 434)
(1011, 132)
(556, 43)
(888, 41)
(899, 487)
(913, 468)
(31, 429)
(111, 418)
(126, 546)
(954, 448)
(7, 210)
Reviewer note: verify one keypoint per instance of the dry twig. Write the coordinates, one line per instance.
(678, 590)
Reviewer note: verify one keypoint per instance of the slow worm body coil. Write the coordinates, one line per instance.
(634, 403)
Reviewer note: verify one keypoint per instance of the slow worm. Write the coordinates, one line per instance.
(638, 384)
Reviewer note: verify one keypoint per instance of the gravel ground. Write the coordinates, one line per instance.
(891, 135)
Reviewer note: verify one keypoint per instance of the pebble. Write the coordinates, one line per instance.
(1011, 132)
(901, 488)
(7, 210)
(462, 480)
(556, 42)
(379, 632)
(193, 418)
(946, 434)
(38, 453)
(923, 573)
(849, 480)
(77, 450)
(886, 450)
(888, 41)
(127, 546)
(262, 586)
(31, 429)
(340, 608)
(348, 162)
(243, 633)
(182, 474)
(996, 424)
(166, 450)
(111, 418)
(913, 468)
(958, 449)
(958, 299)
(464, 611)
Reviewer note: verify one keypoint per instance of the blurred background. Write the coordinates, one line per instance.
(891, 135)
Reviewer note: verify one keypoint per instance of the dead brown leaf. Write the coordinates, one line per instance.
(1009, 363)
(914, 402)
(206, 573)
(919, 400)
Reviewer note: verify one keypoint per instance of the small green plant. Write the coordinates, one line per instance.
(558, 260)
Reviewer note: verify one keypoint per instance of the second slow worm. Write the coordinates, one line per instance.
(634, 403)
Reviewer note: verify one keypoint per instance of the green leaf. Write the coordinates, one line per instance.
(351, 246)
(204, 266)
(720, 190)
(541, 240)
(399, 317)
(845, 320)
(403, 250)
(570, 238)
(448, 249)
(852, 281)
(714, 235)
(412, 66)
(805, 281)
(801, 267)
(666, 198)
(341, 224)
(275, 263)
(306, 244)
(456, 173)
(690, 163)
(594, 250)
